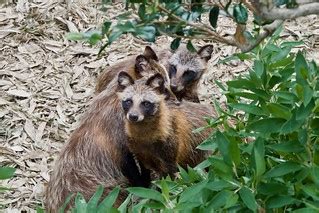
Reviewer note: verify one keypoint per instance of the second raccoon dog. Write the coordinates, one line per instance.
(160, 132)
(186, 69)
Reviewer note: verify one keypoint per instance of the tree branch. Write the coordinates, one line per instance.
(285, 13)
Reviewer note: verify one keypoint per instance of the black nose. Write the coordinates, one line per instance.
(174, 88)
(133, 117)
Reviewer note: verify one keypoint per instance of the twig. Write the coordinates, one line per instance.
(203, 27)
(268, 31)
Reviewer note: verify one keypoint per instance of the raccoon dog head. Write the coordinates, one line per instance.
(141, 99)
(147, 64)
(185, 68)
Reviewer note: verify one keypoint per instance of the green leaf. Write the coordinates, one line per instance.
(94, 38)
(279, 111)
(221, 168)
(208, 144)
(289, 146)
(106, 27)
(291, 43)
(80, 203)
(228, 148)
(286, 95)
(40, 209)
(146, 32)
(258, 157)
(114, 36)
(258, 68)
(190, 192)
(75, 36)
(92, 204)
(141, 12)
(213, 16)
(248, 197)
(123, 206)
(283, 53)
(272, 188)
(182, 207)
(6, 172)
(127, 27)
(249, 108)
(241, 84)
(175, 43)
(190, 46)
(219, 185)
(301, 69)
(183, 173)
(146, 193)
(219, 200)
(283, 169)
(154, 205)
(282, 63)
(307, 210)
(109, 200)
(312, 190)
(291, 125)
(267, 125)
(165, 189)
(138, 207)
(219, 84)
(315, 174)
(4, 189)
(304, 111)
(303, 136)
(237, 56)
(307, 94)
(240, 14)
(279, 201)
(247, 95)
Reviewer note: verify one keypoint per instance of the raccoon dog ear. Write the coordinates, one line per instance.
(124, 80)
(206, 52)
(141, 64)
(149, 53)
(157, 82)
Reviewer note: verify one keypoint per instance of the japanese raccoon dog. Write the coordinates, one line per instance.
(160, 132)
(97, 152)
(185, 70)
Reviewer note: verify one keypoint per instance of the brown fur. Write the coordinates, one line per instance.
(94, 154)
(166, 139)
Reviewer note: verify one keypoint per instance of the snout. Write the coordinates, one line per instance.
(176, 88)
(134, 117)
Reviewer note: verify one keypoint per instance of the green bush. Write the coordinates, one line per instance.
(269, 160)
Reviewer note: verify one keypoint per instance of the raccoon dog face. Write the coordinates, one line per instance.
(141, 99)
(185, 67)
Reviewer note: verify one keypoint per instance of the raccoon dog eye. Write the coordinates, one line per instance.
(172, 70)
(189, 76)
(147, 104)
(127, 104)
